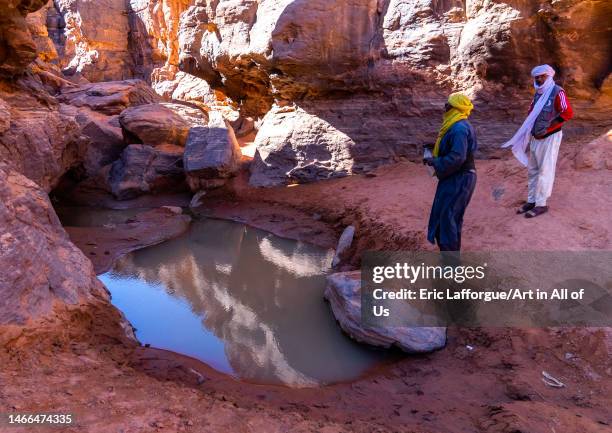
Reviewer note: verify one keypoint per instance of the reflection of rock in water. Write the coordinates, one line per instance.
(300, 262)
(259, 322)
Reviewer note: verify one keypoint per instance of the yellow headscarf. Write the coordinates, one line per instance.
(461, 108)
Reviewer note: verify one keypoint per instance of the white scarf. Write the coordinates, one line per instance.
(520, 140)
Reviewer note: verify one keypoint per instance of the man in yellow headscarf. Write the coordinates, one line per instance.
(453, 162)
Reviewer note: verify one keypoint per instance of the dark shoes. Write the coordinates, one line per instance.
(538, 210)
(525, 208)
(531, 210)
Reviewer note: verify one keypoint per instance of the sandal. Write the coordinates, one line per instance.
(538, 210)
(525, 208)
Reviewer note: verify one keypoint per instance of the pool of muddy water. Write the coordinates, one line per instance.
(242, 300)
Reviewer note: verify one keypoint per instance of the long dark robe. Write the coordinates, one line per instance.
(455, 187)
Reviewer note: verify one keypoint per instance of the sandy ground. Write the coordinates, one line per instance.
(390, 208)
(114, 385)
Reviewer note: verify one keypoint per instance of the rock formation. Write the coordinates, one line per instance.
(365, 79)
(17, 48)
(95, 45)
(334, 88)
(212, 154)
(344, 295)
(40, 266)
(146, 169)
(105, 140)
(153, 38)
(154, 124)
(110, 97)
(41, 137)
(370, 76)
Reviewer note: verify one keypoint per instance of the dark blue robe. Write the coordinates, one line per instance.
(455, 186)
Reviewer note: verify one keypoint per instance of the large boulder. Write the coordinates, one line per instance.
(105, 140)
(144, 169)
(322, 139)
(160, 123)
(186, 87)
(41, 268)
(212, 154)
(343, 292)
(110, 97)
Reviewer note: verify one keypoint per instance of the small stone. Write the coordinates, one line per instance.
(174, 209)
(344, 243)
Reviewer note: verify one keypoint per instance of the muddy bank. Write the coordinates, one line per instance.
(103, 245)
(494, 385)
(390, 208)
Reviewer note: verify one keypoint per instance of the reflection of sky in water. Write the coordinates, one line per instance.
(170, 323)
(242, 300)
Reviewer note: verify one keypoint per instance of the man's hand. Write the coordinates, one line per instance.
(428, 161)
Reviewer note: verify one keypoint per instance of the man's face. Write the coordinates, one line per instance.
(540, 79)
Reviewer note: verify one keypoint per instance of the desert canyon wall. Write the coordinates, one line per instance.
(330, 87)
(334, 87)
(138, 97)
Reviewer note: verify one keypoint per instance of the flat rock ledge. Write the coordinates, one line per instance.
(343, 292)
(103, 245)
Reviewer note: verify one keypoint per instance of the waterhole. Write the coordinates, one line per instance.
(246, 302)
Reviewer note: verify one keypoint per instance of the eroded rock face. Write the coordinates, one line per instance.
(290, 49)
(154, 28)
(110, 97)
(343, 292)
(95, 45)
(17, 48)
(41, 137)
(5, 116)
(40, 266)
(372, 73)
(37, 25)
(146, 169)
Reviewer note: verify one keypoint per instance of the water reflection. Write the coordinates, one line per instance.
(243, 300)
